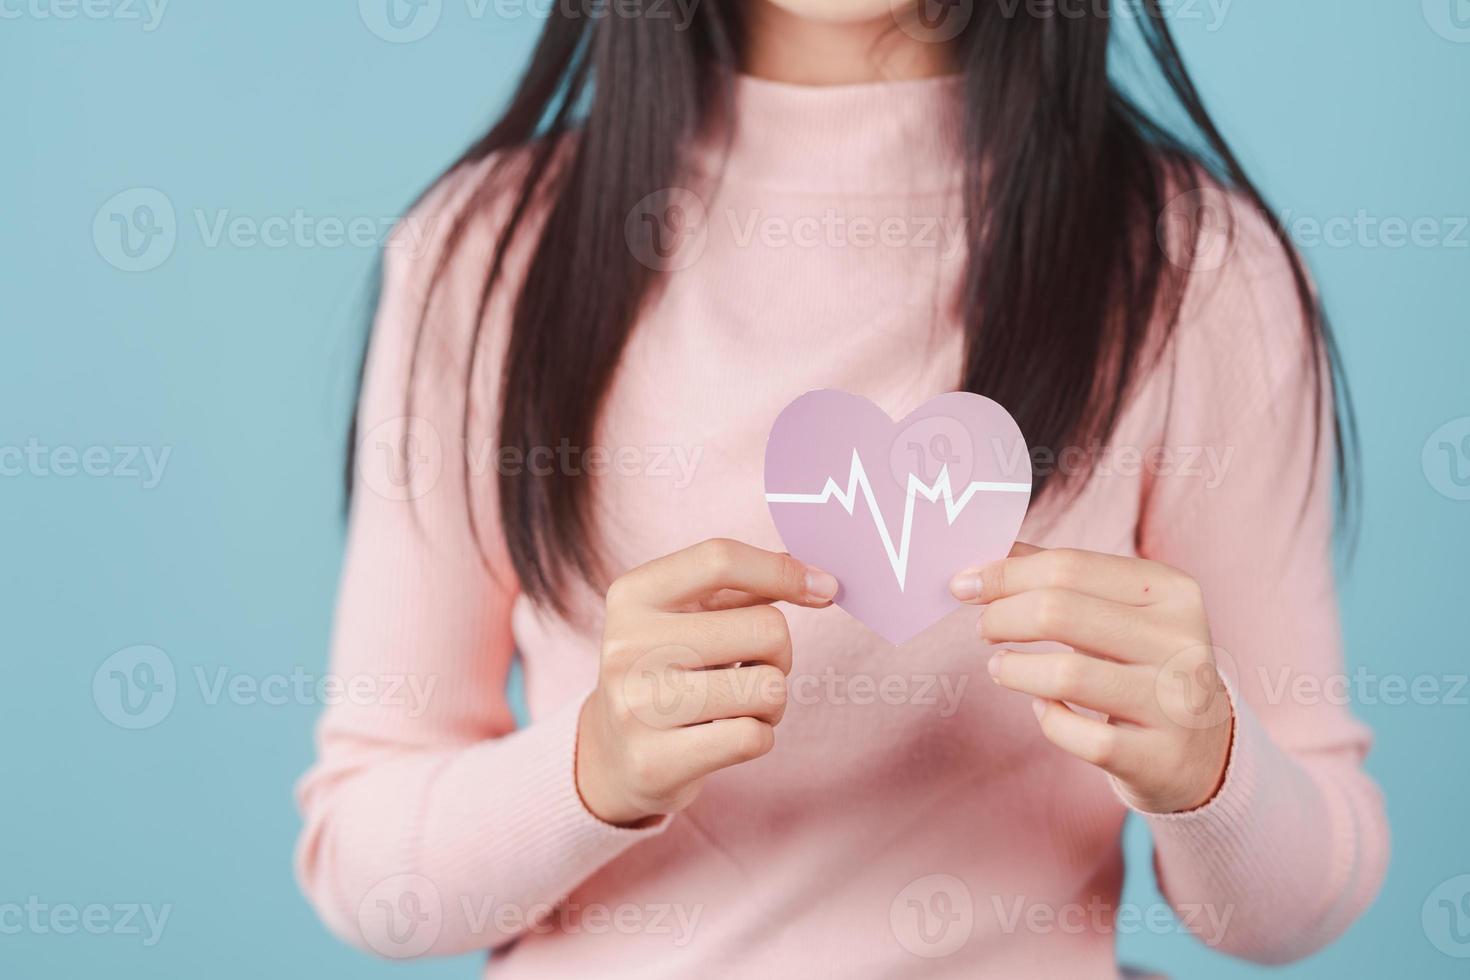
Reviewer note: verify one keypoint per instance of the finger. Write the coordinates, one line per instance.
(670, 695)
(702, 749)
(1074, 618)
(743, 692)
(753, 634)
(1133, 581)
(686, 577)
(1111, 748)
(1117, 690)
(732, 599)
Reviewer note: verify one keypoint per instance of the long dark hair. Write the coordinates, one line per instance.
(1075, 176)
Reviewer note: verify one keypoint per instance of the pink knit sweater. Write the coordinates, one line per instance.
(911, 817)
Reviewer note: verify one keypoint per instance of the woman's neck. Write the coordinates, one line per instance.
(782, 46)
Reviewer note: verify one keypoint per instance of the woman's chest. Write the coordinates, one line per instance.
(683, 433)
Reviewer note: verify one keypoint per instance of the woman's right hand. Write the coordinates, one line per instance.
(693, 675)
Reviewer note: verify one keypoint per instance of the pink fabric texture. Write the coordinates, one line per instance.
(911, 818)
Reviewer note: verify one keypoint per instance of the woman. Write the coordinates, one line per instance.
(614, 277)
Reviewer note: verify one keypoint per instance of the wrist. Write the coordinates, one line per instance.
(1221, 767)
(590, 771)
(1197, 792)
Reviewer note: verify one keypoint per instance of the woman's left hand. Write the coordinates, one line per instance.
(1141, 655)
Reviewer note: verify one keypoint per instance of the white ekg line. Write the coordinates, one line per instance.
(898, 558)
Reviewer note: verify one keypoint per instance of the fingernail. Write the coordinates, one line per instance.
(1038, 708)
(966, 585)
(820, 586)
(993, 665)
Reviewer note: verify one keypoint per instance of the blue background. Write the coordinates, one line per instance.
(238, 358)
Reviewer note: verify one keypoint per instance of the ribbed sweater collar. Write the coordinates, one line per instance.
(878, 138)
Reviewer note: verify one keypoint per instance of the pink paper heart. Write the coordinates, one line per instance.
(895, 509)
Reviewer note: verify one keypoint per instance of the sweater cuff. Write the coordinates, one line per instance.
(1250, 837)
(554, 820)
(508, 812)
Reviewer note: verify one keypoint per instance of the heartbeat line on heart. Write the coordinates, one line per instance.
(857, 479)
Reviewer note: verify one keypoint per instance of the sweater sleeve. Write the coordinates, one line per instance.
(1294, 845)
(432, 826)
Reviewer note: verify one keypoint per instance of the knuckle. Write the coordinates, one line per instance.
(617, 592)
(625, 711)
(1047, 720)
(791, 576)
(774, 683)
(1064, 567)
(1155, 571)
(618, 650)
(646, 770)
(993, 620)
(768, 629)
(639, 692)
(750, 738)
(1189, 588)
(1178, 583)
(771, 687)
(1102, 748)
(718, 555)
(1050, 611)
(1071, 674)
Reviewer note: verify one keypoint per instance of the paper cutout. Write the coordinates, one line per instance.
(895, 509)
